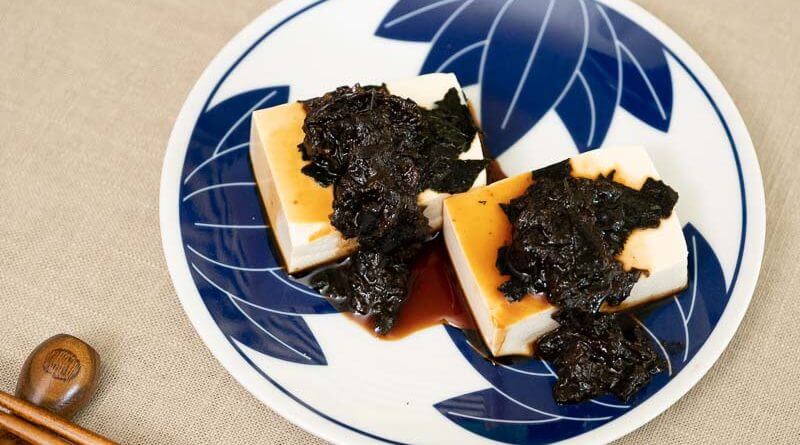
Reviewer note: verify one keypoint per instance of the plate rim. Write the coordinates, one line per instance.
(324, 427)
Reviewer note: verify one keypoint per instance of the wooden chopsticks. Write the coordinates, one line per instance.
(41, 427)
(29, 432)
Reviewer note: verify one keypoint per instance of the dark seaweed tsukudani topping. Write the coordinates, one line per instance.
(379, 151)
(595, 354)
(567, 233)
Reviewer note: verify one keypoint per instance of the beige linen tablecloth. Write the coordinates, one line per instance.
(89, 91)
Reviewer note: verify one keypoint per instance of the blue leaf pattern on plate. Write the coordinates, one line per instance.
(695, 310)
(519, 408)
(516, 92)
(268, 288)
(459, 44)
(589, 105)
(227, 243)
(648, 84)
(531, 56)
(416, 20)
(236, 202)
(526, 381)
(285, 337)
(508, 421)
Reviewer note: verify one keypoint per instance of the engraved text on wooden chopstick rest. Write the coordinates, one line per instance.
(62, 364)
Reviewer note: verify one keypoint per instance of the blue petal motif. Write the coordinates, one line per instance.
(524, 53)
(491, 415)
(233, 203)
(459, 44)
(529, 62)
(528, 382)
(648, 85)
(416, 20)
(683, 322)
(280, 336)
(221, 137)
(588, 107)
(226, 238)
(264, 288)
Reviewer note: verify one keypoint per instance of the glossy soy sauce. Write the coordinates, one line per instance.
(435, 296)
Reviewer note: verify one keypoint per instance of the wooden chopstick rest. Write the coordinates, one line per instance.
(58, 378)
(60, 375)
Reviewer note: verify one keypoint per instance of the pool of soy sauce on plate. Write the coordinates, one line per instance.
(434, 298)
(435, 295)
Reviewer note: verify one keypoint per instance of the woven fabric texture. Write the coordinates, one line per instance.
(89, 91)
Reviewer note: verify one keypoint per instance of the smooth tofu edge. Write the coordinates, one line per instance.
(267, 192)
(300, 255)
(500, 340)
(471, 289)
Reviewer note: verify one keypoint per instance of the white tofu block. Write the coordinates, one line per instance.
(475, 227)
(297, 207)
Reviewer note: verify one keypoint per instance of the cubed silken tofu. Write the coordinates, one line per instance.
(475, 227)
(298, 208)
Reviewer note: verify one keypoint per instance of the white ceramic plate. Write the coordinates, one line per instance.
(550, 78)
